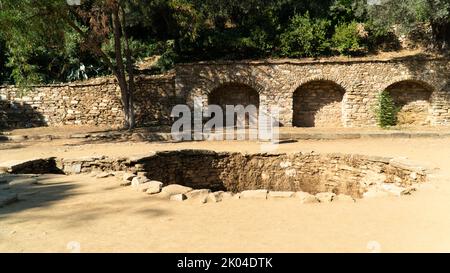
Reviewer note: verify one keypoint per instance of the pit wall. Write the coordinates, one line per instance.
(310, 172)
(92, 102)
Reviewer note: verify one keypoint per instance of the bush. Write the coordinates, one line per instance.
(347, 38)
(386, 111)
(305, 37)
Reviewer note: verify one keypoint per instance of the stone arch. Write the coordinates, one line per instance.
(318, 103)
(413, 100)
(233, 93)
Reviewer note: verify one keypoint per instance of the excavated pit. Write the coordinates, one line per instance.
(310, 172)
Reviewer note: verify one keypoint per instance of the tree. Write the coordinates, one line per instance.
(27, 23)
(409, 13)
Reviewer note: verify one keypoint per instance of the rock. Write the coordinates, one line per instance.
(200, 195)
(254, 194)
(237, 196)
(125, 183)
(174, 189)
(72, 168)
(280, 194)
(325, 197)
(142, 174)
(218, 196)
(118, 174)
(344, 198)
(139, 167)
(408, 190)
(8, 198)
(128, 177)
(178, 197)
(154, 187)
(305, 197)
(396, 190)
(161, 195)
(137, 137)
(18, 138)
(104, 175)
(80, 136)
(139, 180)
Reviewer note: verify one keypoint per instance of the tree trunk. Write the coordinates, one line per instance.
(120, 71)
(129, 63)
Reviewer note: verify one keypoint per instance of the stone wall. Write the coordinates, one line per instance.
(318, 104)
(323, 93)
(413, 102)
(361, 80)
(93, 102)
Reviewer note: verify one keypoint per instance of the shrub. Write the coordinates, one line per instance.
(386, 111)
(348, 38)
(305, 37)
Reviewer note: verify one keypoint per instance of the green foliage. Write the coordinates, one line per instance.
(347, 39)
(386, 110)
(305, 37)
(37, 44)
(408, 14)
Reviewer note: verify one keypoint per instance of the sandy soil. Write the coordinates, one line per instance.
(101, 216)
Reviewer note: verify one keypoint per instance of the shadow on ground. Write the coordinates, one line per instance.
(71, 201)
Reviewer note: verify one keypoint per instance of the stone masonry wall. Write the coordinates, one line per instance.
(413, 101)
(318, 104)
(362, 81)
(93, 102)
(329, 93)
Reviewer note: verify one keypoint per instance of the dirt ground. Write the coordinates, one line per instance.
(99, 216)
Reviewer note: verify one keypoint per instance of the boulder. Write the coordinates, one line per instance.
(72, 168)
(215, 197)
(200, 195)
(154, 187)
(325, 197)
(139, 180)
(125, 183)
(280, 194)
(174, 189)
(305, 197)
(142, 174)
(128, 177)
(178, 197)
(396, 190)
(254, 194)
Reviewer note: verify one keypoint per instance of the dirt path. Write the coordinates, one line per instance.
(103, 217)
